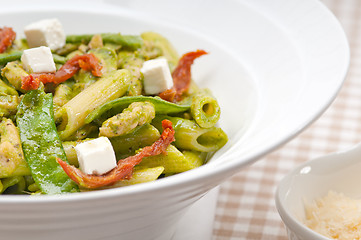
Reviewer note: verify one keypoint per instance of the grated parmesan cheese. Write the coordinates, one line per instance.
(335, 216)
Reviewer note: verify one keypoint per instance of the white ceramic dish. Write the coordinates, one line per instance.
(274, 67)
(339, 172)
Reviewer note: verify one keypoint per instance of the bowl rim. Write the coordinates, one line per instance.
(200, 174)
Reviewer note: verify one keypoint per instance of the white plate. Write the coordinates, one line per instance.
(274, 66)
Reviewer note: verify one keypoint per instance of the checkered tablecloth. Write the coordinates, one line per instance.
(246, 207)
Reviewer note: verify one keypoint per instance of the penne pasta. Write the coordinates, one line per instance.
(139, 176)
(205, 109)
(190, 136)
(174, 161)
(72, 115)
(124, 146)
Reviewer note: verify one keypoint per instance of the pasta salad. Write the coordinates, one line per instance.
(97, 111)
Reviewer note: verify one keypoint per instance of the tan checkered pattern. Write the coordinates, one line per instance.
(246, 208)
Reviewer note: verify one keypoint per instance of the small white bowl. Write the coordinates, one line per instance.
(339, 172)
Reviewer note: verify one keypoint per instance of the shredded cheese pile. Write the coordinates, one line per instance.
(335, 216)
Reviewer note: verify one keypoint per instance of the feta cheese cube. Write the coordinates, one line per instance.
(157, 76)
(47, 32)
(96, 156)
(38, 60)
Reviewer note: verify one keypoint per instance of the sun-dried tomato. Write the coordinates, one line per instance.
(124, 168)
(181, 76)
(30, 82)
(168, 94)
(88, 62)
(7, 36)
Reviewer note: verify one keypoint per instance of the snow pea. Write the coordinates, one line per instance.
(41, 143)
(117, 105)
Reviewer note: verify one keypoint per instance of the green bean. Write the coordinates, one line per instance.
(130, 42)
(41, 143)
(9, 57)
(16, 55)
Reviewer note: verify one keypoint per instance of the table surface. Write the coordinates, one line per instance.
(246, 207)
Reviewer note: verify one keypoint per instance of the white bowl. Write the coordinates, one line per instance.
(274, 66)
(338, 172)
